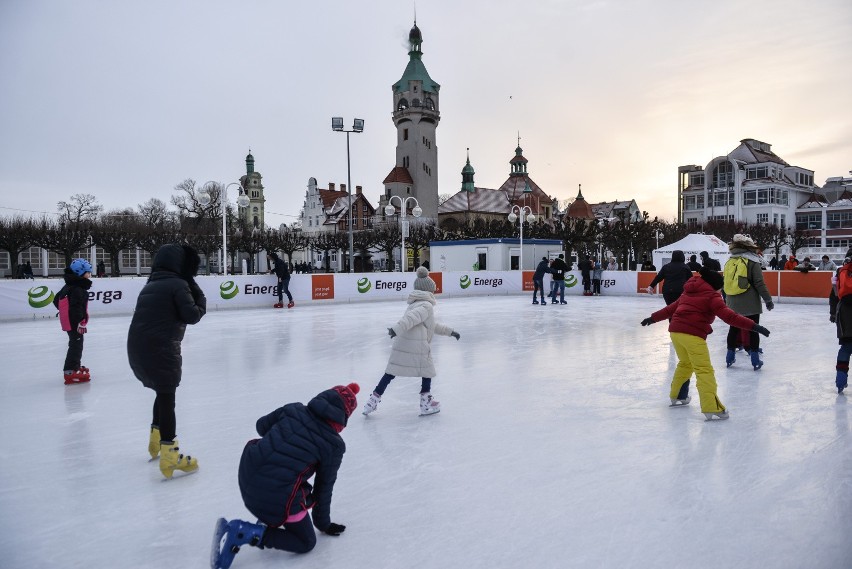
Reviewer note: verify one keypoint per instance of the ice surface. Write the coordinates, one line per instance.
(555, 446)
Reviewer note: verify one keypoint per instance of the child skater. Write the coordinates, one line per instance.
(72, 301)
(597, 277)
(411, 354)
(169, 301)
(691, 315)
(840, 307)
(298, 442)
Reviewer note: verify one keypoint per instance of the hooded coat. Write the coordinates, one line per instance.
(167, 303)
(748, 302)
(674, 275)
(697, 307)
(298, 442)
(411, 354)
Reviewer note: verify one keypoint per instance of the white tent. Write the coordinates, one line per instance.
(693, 244)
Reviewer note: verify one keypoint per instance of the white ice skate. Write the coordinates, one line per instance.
(681, 402)
(428, 406)
(372, 403)
(718, 415)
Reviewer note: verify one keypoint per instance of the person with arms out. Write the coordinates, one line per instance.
(744, 289)
(558, 269)
(411, 354)
(279, 267)
(538, 280)
(169, 301)
(840, 313)
(298, 442)
(673, 276)
(72, 301)
(691, 317)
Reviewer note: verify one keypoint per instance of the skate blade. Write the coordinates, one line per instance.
(432, 413)
(678, 404)
(176, 476)
(219, 531)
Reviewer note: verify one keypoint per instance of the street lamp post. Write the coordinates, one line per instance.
(357, 126)
(520, 217)
(416, 211)
(242, 202)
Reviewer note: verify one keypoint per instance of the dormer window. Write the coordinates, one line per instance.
(415, 103)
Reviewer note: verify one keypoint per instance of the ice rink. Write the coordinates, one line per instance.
(555, 446)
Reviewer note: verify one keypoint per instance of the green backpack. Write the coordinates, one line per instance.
(736, 276)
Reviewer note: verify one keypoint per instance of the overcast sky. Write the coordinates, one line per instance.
(125, 99)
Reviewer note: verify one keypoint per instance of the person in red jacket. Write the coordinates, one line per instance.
(691, 316)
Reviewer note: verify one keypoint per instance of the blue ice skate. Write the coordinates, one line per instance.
(730, 358)
(227, 539)
(755, 360)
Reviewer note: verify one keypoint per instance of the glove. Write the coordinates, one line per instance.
(334, 529)
(647, 322)
(770, 305)
(81, 328)
(760, 330)
(649, 290)
(833, 318)
(455, 335)
(391, 333)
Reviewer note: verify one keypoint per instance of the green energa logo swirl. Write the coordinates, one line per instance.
(364, 285)
(570, 281)
(39, 296)
(228, 290)
(464, 281)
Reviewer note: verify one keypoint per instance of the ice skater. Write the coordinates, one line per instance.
(298, 442)
(279, 267)
(840, 309)
(169, 301)
(72, 301)
(538, 280)
(411, 353)
(691, 316)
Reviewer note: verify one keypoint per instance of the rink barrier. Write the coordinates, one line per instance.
(33, 299)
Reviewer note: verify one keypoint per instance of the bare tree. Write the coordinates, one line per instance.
(387, 238)
(154, 212)
(63, 237)
(189, 204)
(16, 236)
(80, 208)
(287, 241)
(115, 232)
(419, 236)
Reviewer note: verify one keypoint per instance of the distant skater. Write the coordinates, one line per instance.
(691, 316)
(538, 280)
(282, 272)
(673, 275)
(411, 355)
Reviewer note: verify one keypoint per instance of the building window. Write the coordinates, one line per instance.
(696, 179)
(839, 220)
(761, 196)
(405, 134)
(723, 175)
(783, 220)
(721, 218)
(757, 172)
(763, 219)
(843, 243)
(723, 197)
(693, 202)
(692, 222)
(808, 221)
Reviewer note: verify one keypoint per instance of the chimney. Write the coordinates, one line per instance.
(358, 190)
(342, 187)
(330, 187)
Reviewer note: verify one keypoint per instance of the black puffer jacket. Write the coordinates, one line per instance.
(674, 275)
(167, 303)
(77, 290)
(297, 443)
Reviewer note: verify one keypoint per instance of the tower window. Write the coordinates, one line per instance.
(402, 105)
(415, 103)
(405, 134)
(429, 104)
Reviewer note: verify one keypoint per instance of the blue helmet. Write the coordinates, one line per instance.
(80, 266)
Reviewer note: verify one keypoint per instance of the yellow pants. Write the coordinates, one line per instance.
(693, 356)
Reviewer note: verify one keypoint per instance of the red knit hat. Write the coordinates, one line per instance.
(348, 393)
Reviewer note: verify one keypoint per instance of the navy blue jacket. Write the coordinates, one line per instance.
(167, 303)
(298, 442)
(541, 269)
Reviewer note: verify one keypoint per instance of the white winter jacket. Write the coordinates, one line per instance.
(411, 354)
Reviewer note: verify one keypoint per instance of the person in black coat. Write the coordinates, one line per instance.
(169, 301)
(674, 275)
(709, 262)
(693, 264)
(298, 442)
(72, 301)
(279, 267)
(585, 268)
(538, 280)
